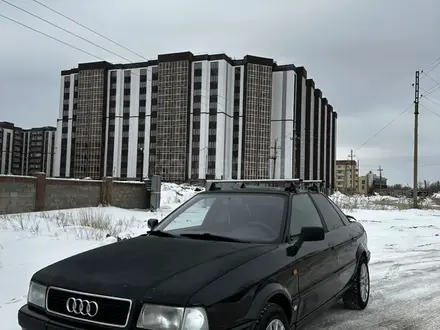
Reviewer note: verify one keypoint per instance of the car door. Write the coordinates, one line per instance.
(340, 239)
(313, 259)
(349, 257)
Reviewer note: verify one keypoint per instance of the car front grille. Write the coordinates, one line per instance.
(111, 311)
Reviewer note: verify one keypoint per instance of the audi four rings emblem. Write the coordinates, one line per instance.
(82, 307)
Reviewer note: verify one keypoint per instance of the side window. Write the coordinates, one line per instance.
(339, 211)
(331, 217)
(304, 214)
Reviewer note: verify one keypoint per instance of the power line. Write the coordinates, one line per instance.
(435, 81)
(77, 48)
(95, 56)
(89, 29)
(100, 58)
(431, 67)
(97, 33)
(65, 30)
(374, 167)
(432, 90)
(429, 165)
(430, 100)
(385, 127)
(53, 38)
(431, 111)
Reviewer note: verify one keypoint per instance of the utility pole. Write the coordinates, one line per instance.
(274, 157)
(351, 155)
(380, 178)
(345, 177)
(416, 137)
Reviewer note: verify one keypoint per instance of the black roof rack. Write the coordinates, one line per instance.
(290, 185)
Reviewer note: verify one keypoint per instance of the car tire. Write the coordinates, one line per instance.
(358, 295)
(271, 317)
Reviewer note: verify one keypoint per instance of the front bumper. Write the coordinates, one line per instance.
(30, 320)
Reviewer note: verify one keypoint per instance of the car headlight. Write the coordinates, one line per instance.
(154, 317)
(37, 294)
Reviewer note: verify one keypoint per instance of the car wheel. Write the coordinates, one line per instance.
(272, 317)
(358, 295)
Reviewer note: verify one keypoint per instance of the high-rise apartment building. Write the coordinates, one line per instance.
(186, 116)
(25, 151)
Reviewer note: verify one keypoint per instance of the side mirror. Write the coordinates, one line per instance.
(308, 234)
(312, 234)
(152, 223)
(350, 218)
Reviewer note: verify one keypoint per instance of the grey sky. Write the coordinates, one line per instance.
(362, 55)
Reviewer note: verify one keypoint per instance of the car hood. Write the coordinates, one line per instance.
(139, 268)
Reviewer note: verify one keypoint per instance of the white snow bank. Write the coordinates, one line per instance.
(378, 202)
(436, 195)
(172, 194)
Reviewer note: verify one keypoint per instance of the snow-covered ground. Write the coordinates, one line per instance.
(405, 247)
(404, 270)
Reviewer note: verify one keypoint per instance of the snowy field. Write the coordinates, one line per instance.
(405, 246)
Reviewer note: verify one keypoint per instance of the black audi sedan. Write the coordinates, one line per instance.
(259, 258)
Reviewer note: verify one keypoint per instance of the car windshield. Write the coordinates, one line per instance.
(253, 217)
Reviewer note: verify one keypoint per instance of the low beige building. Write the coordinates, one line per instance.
(347, 176)
(363, 185)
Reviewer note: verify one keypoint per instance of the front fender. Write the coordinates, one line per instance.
(263, 295)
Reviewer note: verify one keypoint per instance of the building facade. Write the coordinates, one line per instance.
(7, 134)
(25, 151)
(190, 117)
(363, 185)
(376, 182)
(347, 176)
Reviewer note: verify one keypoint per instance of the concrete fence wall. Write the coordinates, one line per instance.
(28, 194)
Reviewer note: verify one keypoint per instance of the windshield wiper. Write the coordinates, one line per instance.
(160, 233)
(208, 236)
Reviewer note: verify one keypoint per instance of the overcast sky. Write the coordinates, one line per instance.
(361, 53)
